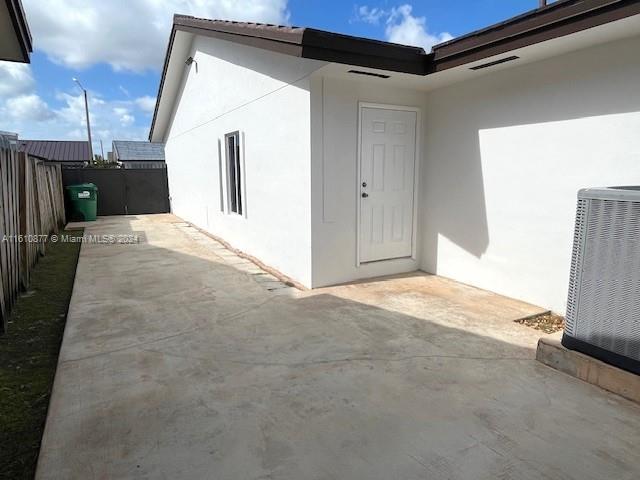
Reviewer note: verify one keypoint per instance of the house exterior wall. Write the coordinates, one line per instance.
(505, 155)
(500, 160)
(266, 97)
(334, 181)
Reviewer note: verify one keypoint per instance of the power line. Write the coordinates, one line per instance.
(243, 105)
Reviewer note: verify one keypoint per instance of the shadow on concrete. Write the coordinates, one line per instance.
(177, 365)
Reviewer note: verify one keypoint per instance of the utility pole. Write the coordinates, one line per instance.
(86, 110)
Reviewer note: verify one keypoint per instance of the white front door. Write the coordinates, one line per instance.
(386, 186)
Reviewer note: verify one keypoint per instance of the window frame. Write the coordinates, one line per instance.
(234, 174)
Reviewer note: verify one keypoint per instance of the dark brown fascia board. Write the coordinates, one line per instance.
(300, 42)
(266, 31)
(258, 30)
(20, 26)
(554, 21)
(285, 48)
(310, 43)
(531, 20)
(282, 42)
(558, 19)
(167, 55)
(350, 56)
(366, 46)
(414, 66)
(363, 52)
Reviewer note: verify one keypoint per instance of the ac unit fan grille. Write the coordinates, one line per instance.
(576, 262)
(603, 307)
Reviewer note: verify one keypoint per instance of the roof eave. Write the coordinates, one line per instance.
(162, 78)
(21, 28)
(556, 20)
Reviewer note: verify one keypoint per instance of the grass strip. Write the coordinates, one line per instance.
(29, 355)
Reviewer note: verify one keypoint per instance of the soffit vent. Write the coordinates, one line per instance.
(496, 62)
(369, 74)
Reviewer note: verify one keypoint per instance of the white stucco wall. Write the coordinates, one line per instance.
(266, 97)
(334, 170)
(505, 155)
(501, 158)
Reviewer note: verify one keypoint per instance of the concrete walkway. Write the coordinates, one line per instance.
(177, 364)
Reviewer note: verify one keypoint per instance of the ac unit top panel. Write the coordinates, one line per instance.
(623, 194)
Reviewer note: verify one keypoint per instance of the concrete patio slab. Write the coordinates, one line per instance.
(175, 364)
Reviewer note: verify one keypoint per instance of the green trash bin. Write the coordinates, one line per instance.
(83, 202)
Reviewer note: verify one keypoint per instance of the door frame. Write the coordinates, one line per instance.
(416, 175)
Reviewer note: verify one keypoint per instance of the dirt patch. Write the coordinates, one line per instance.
(547, 322)
(29, 355)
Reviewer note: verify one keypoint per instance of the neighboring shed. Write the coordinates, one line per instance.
(135, 154)
(65, 152)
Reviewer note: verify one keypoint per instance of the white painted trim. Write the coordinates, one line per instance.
(384, 106)
(361, 105)
(416, 186)
(221, 177)
(323, 171)
(225, 173)
(416, 175)
(243, 187)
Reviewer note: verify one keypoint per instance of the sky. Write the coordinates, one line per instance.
(116, 49)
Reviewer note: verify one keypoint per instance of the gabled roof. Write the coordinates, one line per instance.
(558, 19)
(57, 150)
(15, 37)
(126, 150)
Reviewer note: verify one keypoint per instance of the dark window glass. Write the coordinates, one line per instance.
(234, 174)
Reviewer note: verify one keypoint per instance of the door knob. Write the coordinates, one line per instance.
(365, 194)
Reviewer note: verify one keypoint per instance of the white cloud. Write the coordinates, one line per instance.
(24, 111)
(403, 27)
(128, 34)
(370, 15)
(15, 79)
(147, 103)
(72, 113)
(126, 119)
(32, 118)
(28, 107)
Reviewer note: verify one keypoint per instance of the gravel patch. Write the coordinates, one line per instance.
(547, 322)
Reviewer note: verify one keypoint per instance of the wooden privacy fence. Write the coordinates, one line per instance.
(31, 207)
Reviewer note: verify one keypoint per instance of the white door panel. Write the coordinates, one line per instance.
(387, 162)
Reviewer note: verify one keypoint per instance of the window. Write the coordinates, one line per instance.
(234, 172)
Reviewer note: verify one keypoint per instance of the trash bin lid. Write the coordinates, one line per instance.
(83, 186)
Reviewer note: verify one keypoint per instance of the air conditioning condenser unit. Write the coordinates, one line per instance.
(603, 307)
